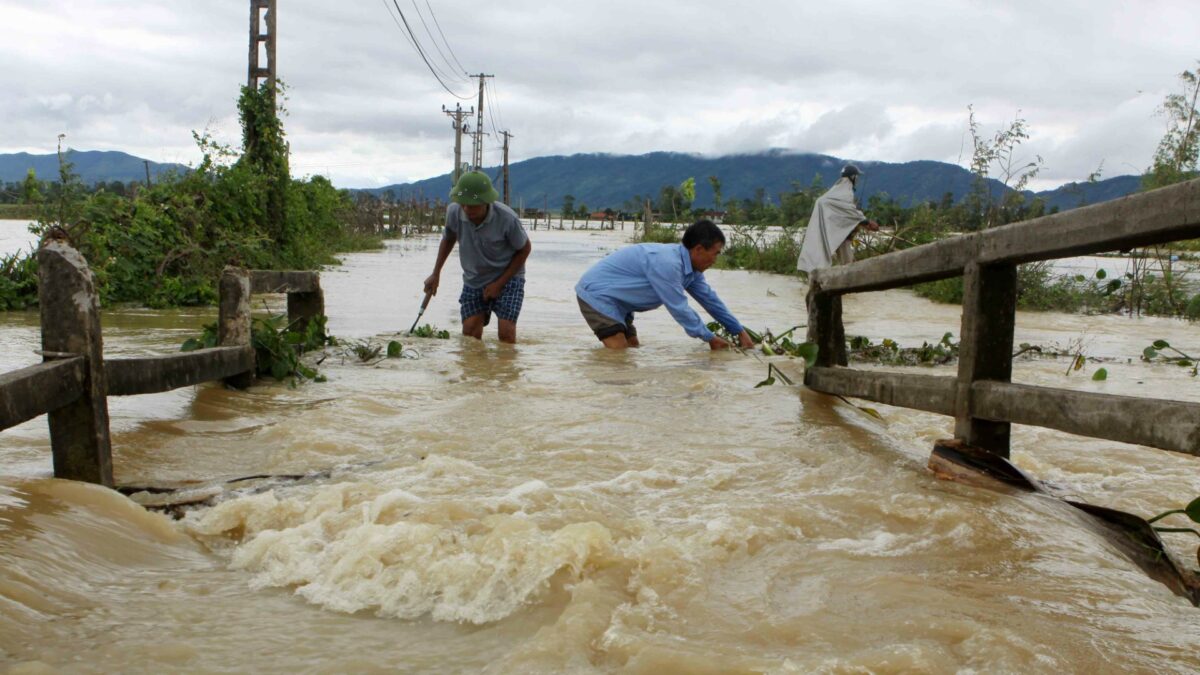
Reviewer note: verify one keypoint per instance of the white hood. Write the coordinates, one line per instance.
(834, 217)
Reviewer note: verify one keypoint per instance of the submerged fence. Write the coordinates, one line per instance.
(982, 399)
(73, 383)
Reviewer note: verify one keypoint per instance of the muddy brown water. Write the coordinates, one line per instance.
(552, 507)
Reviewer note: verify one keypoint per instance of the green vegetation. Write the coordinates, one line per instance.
(771, 345)
(18, 211)
(370, 352)
(18, 281)
(1038, 289)
(428, 331)
(657, 234)
(889, 353)
(1192, 511)
(278, 346)
(1162, 351)
(166, 244)
(1177, 157)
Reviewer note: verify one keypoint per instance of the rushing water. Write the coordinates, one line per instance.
(554, 507)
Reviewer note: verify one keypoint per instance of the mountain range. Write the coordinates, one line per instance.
(601, 180)
(92, 166)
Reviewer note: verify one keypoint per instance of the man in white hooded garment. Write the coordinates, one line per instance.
(830, 233)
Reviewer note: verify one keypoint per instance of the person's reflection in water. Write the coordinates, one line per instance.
(490, 364)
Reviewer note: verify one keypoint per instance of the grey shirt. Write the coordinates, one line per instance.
(486, 249)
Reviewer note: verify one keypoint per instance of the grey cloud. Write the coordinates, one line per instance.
(618, 76)
(838, 128)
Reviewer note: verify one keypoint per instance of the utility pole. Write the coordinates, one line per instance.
(477, 162)
(262, 12)
(146, 163)
(506, 136)
(457, 114)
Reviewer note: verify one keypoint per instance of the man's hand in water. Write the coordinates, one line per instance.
(745, 340)
(717, 343)
(492, 291)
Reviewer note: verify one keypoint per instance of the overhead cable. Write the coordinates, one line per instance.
(444, 41)
(412, 40)
(459, 75)
(441, 74)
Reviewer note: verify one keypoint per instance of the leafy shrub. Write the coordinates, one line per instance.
(428, 331)
(278, 346)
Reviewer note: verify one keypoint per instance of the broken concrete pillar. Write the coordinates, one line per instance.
(70, 312)
(233, 318)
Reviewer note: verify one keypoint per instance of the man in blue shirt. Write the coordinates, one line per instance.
(493, 252)
(643, 277)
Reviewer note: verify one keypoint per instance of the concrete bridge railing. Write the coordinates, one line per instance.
(73, 383)
(982, 398)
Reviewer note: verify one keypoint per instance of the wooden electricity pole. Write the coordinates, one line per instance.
(506, 136)
(457, 114)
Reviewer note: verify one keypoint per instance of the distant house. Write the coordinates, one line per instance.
(599, 215)
(715, 216)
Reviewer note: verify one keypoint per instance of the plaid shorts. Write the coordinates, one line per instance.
(507, 306)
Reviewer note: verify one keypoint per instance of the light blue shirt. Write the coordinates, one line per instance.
(643, 277)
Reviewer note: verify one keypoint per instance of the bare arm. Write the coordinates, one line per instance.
(447, 245)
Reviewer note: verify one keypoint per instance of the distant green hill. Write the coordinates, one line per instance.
(600, 181)
(93, 166)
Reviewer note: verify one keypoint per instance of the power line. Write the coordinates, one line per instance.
(491, 114)
(444, 41)
(459, 75)
(412, 40)
(496, 104)
(417, 42)
(398, 25)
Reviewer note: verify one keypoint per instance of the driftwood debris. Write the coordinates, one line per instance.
(1131, 534)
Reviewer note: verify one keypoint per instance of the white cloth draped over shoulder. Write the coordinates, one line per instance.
(834, 218)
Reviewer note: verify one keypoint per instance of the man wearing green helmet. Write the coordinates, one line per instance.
(492, 252)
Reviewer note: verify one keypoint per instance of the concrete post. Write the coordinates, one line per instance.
(305, 306)
(985, 352)
(233, 322)
(70, 312)
(825, 326)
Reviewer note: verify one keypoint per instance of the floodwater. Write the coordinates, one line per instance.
(553, 507)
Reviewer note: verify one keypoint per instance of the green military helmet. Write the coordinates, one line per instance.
(473, 188)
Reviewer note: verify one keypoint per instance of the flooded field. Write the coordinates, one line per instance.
(552, 507)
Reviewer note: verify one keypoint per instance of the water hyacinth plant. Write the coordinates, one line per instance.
(428, 331)
(1192, 511)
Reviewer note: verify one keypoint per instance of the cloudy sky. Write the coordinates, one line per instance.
(867, 80)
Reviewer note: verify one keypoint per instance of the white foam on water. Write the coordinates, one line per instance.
(361, 547)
